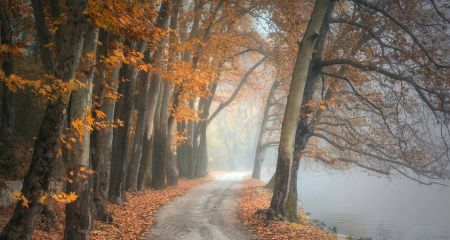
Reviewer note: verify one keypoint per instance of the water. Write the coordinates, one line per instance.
(360, 205)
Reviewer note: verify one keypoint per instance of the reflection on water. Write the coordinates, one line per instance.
(369, 206)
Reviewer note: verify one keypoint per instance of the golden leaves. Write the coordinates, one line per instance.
(100, 114)
(59, 197)
(18, 196)
(125, 55)
(140, 210)
(48, 89)
(43, 198)
(65, 198)
(254, 200)
(131, 19)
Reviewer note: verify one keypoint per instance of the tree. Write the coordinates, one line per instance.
(36, 181)
(391, 115)
(279, 206)
(78, 214)
(105, 82)
(361, 130)
(267, 117)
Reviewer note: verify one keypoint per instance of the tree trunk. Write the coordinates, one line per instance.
(143, 114)
(182, 164)
(172, 169)
(260, 149)
(37, 179)
(78, 213)
(279, 206)
(43, 35)
(159, 134)
(189, 155)
(201, 155)
(271, 183)
(102, 139)
(304, 133)
(7, 111)
(259, 157)
(146, 163)
(122, 136)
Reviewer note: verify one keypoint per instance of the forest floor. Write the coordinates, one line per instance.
(130, 222)
(254, 197)
(207, 212)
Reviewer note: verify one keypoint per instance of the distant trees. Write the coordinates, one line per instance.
(269, 131)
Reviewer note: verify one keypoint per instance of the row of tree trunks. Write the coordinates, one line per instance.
(123, 136)
(46, 146)
(147, 101)
(186, 155)
(123, 158)
(201, 153)
(141, 100)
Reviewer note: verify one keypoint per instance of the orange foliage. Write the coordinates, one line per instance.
(253, 197)
(140, 210)
(133, 19)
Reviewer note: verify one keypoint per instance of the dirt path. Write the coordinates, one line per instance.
(206, 212)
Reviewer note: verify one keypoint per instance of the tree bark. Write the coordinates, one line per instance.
(182, 164)
(172, 168)
(279, 206)
(145, 172)
(161, 156)
(122, 135)
(78, 213)
(158, 169)
(43, 35)
(271, 183)
(7, 111)
(143, 114)
(146, 103)
(102, 139)
(37, 179)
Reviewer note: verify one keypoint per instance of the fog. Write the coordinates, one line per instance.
(232, 137)
(357, 202)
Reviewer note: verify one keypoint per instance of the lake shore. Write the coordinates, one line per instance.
(253, 197)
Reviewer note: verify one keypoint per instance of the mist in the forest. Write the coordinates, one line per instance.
(232, 137)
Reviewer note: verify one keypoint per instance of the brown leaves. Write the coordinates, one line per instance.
(132, 19)
(140, 210)
(255, 197)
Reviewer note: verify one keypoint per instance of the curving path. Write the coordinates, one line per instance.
(204, 213)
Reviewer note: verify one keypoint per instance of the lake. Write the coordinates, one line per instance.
(361, 205)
